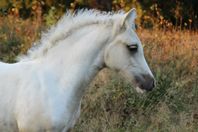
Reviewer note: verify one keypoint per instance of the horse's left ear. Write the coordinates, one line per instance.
(129, 18)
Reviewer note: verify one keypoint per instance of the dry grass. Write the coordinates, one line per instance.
(114, 106)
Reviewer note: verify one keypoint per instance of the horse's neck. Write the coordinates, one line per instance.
(80, 61)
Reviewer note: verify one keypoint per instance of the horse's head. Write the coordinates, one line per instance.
(125, 55)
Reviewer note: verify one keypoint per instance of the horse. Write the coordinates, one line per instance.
(42, 91)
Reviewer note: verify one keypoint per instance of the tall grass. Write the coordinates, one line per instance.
(113, 105)
(110, 103)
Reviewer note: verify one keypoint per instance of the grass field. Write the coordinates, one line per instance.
(110, 103)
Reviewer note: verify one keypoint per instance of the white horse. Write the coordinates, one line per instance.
(43, 91)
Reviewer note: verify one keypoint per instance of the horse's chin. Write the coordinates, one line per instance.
(139, 90)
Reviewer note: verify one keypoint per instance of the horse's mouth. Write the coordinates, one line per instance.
(140, 90)
(144, 83)
(138, 87)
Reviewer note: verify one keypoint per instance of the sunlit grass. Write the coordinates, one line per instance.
(113, 105)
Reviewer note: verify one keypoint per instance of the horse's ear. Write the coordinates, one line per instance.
(129, 18)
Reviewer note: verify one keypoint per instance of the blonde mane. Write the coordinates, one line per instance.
(69, 23)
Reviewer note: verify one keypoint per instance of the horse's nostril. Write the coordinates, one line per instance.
(145, 82)
(150, 84)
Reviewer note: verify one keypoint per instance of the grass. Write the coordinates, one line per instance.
(111, 104)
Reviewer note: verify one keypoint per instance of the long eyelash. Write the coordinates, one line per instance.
(132, 47)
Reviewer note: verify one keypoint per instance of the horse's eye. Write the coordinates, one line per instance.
(132, 47)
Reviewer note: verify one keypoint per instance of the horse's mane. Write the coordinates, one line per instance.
(65, 26)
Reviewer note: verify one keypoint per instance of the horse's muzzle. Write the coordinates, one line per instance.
(145, 82)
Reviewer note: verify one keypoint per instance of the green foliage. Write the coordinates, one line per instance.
(52, 17)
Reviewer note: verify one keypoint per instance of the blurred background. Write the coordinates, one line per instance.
(179, 13)
(168, 31)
